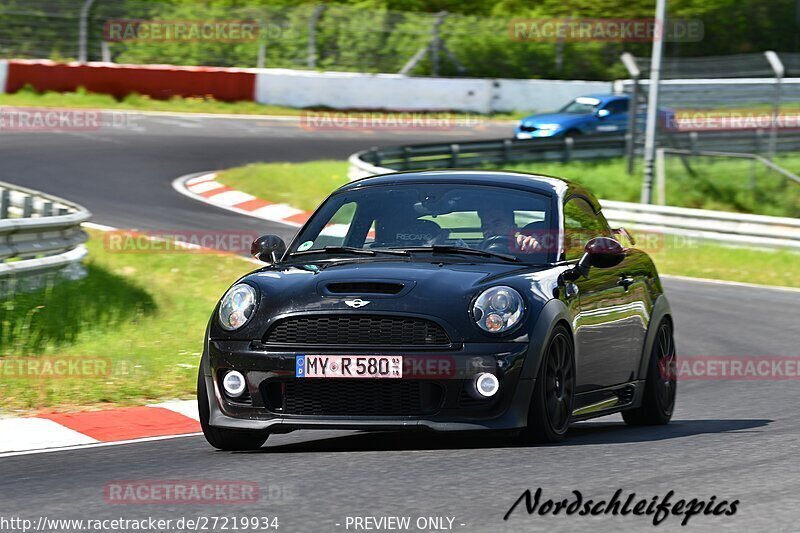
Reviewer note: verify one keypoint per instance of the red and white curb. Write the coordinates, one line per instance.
(50, 431)
(205, 188)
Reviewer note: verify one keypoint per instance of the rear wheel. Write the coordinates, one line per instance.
(661, 384)
(225, 439)
(554, 394)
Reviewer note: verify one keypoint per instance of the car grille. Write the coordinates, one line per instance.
(528, 128)
(364, 287)
(353, 397)
(354, 330)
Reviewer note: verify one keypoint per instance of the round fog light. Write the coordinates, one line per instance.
(487, 385)
(234, 383)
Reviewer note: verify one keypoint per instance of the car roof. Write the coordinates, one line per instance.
(606, 97)
(541, 183)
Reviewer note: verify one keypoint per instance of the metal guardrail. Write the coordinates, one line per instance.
(564, 149)
(720, 226)
(39, 233)
(500, 152)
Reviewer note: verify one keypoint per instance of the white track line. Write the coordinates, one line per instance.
(179, 185)
(25, 434)
(731, 283)
(97, 445)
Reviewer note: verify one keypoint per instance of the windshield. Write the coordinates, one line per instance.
(582, 105)
(452, 219)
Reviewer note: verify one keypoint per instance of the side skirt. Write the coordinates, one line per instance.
(607, 401)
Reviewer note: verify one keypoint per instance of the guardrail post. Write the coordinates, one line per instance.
(105, 51)
(633, 109)
(83, 31)
(311, 53)
(376, 156)
(454, 150)
(406, 157)
(568, 142)
(661, 177)
(27, 207)
(779, 70)
(757, 145)
(506, 151)
(5, 200)
(693, 142)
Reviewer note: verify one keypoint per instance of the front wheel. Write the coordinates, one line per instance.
(661, 385)
(554, 394)
(225, 439)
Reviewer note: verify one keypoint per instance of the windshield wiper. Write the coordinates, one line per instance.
(448, 249)
(348, 250)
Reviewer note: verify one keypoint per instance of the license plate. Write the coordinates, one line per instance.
(348, 366)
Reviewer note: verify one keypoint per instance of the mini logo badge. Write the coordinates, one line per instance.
(358, 302)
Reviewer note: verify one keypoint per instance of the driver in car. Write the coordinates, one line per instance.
(497, 222)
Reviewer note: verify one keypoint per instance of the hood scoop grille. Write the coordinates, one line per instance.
(364, 287)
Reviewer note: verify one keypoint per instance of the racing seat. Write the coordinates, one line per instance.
(401, 234)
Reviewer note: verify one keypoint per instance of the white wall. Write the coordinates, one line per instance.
(350, 90)
(542, 95)
(3, 74)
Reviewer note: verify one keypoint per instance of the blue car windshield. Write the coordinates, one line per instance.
(426, 215)
(583, 105)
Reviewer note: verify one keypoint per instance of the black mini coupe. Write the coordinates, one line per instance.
(441, 300)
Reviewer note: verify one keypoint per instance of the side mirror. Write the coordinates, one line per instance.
(602, 113)
(602, 252)
(268, 248)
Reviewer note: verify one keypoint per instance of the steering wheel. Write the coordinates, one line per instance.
(497, 243)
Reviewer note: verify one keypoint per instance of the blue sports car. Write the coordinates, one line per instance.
(585, 115)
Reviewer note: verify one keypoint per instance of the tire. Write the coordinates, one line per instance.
(225, 439)
(572, 133)
(661, 384)
(553, 398)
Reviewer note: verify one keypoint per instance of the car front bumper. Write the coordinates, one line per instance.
(536, 134)
(439, 382)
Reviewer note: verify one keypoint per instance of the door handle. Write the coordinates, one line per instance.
(625, 281)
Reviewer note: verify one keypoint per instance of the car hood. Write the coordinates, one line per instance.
(564, 119)
(442, 291)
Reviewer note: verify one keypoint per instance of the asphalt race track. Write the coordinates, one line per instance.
(729, 439)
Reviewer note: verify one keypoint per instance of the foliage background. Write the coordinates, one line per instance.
(382, 35)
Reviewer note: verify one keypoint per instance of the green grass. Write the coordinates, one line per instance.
(305, 185)
(28, 97)
(720, 184)
(145, 313)
(301, 185)
(712, 261)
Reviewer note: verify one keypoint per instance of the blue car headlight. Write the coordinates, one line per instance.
(498, 309)
(237, 306)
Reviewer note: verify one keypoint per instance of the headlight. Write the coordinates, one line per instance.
(548, 126)
(498, 309)
(237, 306)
